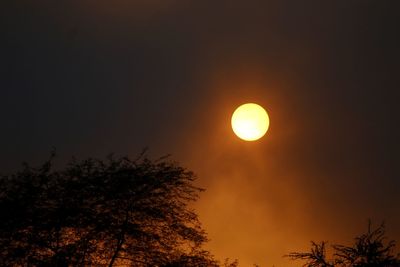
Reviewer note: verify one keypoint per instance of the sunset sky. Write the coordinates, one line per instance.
(91, 77)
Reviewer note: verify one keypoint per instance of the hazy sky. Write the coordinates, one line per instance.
(94, 77)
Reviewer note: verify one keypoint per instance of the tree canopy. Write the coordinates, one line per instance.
(370, 249)
(114, 212)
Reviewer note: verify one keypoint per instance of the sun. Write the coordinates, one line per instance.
(250, 122)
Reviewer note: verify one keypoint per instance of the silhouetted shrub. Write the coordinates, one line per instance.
(369, 250)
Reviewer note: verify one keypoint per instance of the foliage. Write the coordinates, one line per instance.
(116, 212)
(315, 258)
(369, 250)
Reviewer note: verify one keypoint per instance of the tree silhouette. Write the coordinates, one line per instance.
(369, 250)
(315, 258)
(116, 212)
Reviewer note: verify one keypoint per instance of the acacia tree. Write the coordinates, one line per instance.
(116, 212)
(369, 250)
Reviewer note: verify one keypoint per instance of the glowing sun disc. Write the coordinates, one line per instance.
(250, 122)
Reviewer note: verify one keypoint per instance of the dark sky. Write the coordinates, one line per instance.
(94, 77)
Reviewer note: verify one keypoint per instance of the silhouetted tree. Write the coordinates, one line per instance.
(368, 250)
(117, 212)
(315, 258)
